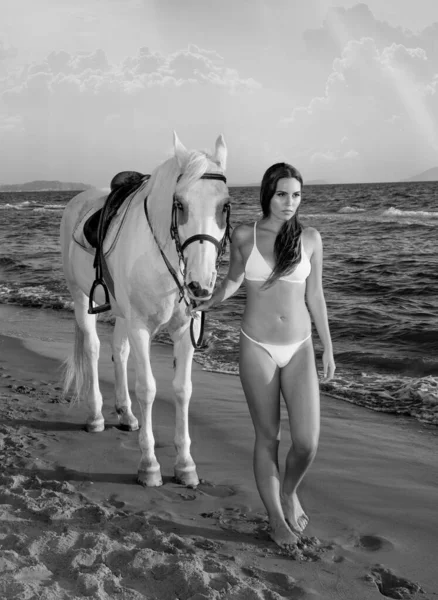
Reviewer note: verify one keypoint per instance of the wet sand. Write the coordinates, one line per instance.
(74, 523)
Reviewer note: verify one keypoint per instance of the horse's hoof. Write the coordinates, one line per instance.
(187, 478)
(131, 425)
(124, 427)
(127, 421)
(151, 479)
(95, 426)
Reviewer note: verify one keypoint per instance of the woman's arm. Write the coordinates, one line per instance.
(316, 303)
(234, 278)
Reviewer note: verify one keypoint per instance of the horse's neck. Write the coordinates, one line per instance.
(160, 216)
(157, 228)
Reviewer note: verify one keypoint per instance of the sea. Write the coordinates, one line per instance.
(380, 281)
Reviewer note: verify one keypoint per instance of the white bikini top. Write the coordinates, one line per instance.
(257, 269)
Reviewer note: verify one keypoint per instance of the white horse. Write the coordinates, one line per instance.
(171, 218)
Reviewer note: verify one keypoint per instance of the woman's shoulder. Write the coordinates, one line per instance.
(311, 234)
(311, 240)
(243, 233)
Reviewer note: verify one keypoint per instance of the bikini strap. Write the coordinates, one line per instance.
(255, 241)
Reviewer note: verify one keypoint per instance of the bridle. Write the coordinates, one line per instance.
(201, 237)
(180, 247)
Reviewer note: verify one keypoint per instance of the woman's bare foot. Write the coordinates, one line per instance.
(281, 534)
(294, 514)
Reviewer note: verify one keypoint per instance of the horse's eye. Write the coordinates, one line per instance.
(179, 205)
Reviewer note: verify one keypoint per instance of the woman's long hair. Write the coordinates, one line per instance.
(287, 246)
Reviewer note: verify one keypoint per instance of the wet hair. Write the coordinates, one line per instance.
(287, 246)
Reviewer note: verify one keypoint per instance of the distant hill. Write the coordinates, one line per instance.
(45, 186)
(429, 175)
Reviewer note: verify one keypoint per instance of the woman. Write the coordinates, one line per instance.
(281, 263)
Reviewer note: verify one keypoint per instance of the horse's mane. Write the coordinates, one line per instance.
(163, 183)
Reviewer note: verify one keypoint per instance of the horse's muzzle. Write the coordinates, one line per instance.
(197, 291)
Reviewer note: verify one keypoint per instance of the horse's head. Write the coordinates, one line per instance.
(200, 218)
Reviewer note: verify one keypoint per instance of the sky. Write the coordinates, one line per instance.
(344, 91)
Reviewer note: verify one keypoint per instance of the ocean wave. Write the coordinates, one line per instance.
(18, 206)
(396, 217)
(32, 205)
(415, 397)
(351, 209)
(6, 261)
(36, 296)
(47, 208)
(399, 194)
(380, 361)
(418, 214)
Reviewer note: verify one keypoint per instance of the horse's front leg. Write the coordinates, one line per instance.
(185, 468)
(149, 473)
(120, 348)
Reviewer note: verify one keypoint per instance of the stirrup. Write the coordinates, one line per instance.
(94, 310)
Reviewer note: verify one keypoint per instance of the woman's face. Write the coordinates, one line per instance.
(286, 200)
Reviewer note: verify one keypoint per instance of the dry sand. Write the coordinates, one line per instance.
(74, 523)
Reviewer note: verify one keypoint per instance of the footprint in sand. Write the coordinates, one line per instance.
(116, 503)
(91, 514)
(282, 584)
(373, 543)
(217, 491)
(391, 585)
(237, 521)
(204, 488)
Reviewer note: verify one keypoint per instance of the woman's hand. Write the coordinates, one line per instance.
(203, 305)
(328, 363)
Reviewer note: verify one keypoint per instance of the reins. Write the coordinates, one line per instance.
(201, 237)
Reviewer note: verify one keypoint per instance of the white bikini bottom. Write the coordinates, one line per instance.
(280, 354)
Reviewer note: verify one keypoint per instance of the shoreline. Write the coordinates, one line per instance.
(371, 492)
(395, 393)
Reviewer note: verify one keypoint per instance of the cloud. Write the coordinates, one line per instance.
(345, 24)
(92, 75)
(73, 108)
(379, 115)
(11, 124)
(7, 51)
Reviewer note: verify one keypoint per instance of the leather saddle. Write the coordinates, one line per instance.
(95, 228)
(122, 185)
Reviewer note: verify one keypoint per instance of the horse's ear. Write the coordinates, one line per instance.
(221, 152)
(181, 151)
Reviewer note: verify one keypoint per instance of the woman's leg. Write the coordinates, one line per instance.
(300, 389)
(261, 384)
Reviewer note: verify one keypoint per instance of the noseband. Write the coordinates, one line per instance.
(180, 247)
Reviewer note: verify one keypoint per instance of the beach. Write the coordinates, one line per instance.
(315, 127)
(75, 524)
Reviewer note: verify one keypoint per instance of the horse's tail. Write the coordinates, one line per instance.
(75, 371)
